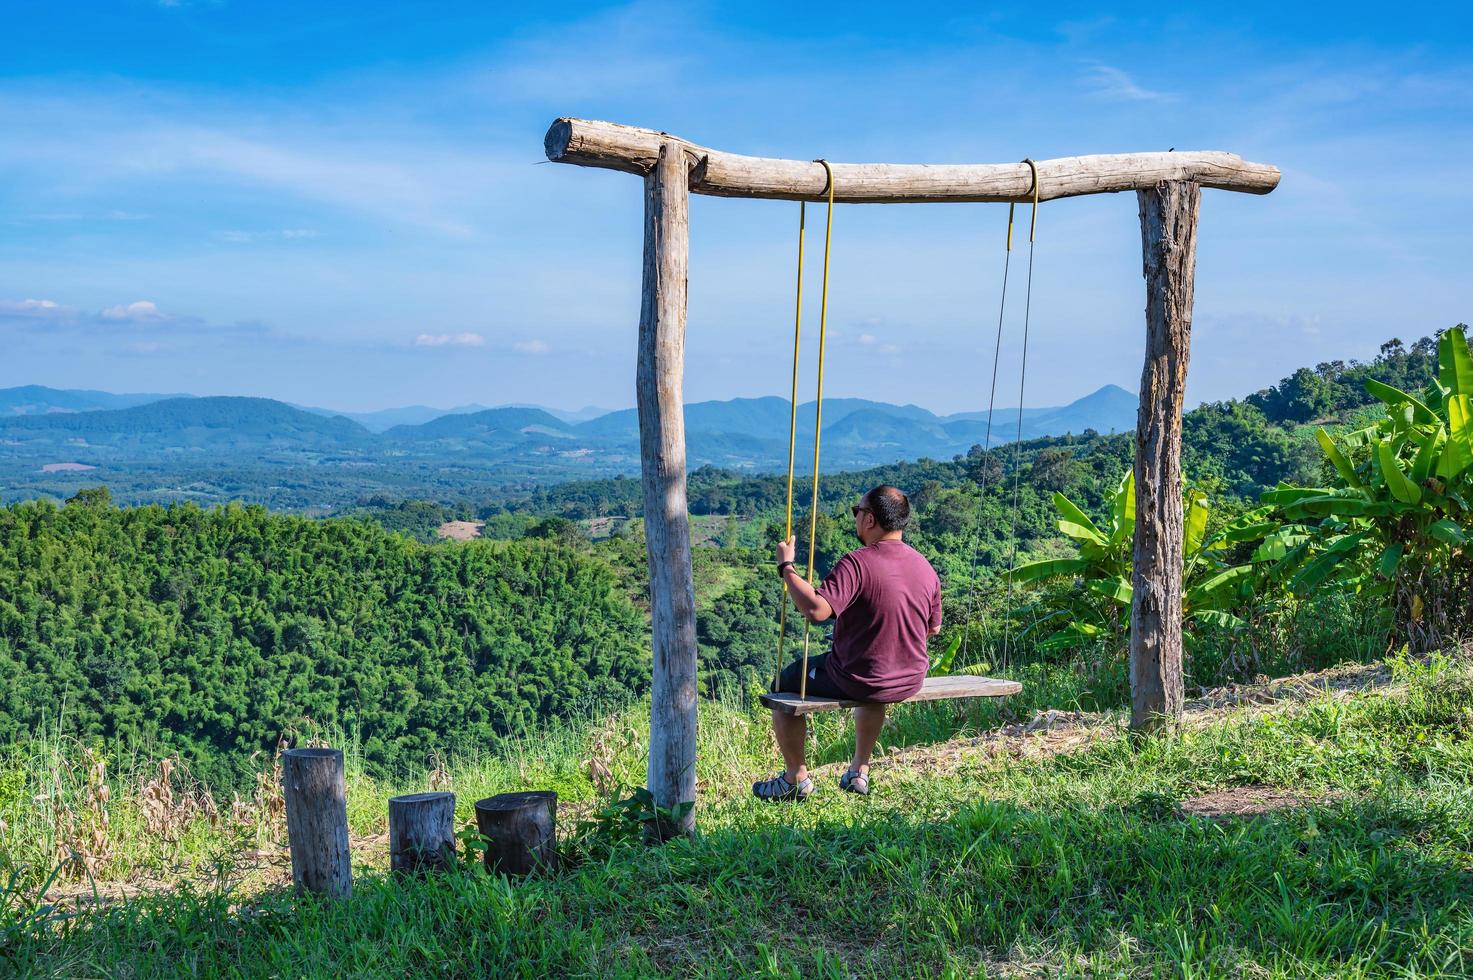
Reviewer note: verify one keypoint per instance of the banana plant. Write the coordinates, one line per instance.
(1397, 520)
(1096, 603)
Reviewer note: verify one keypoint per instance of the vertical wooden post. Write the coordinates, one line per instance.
(1169, 243)
(421, 832)
(659, 386)
(316, 797)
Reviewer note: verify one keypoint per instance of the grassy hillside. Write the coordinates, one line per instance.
(1322, 827)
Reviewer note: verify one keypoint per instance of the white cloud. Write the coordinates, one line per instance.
(32, 307)
(1113, 84)
(868, 339)
(449, 340)
(285, 234)
(530, 347)
(138, 311)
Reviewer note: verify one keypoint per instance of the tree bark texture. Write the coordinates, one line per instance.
(612, 146)
(659, 379)
(315, 792)
(522, 830)
(1169, 242)
(421, 832)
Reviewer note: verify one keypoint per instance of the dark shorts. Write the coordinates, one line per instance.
(820, 685)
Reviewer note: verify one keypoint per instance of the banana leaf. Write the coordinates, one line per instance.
(1459, 452)
(1116, 589)
(1389, 560)
(1240, 533)
(1342, 465)
(1276, 546)
(1081, 533)
(1216, 617)
(1361, 437)
(1204, 589)
(942, 665)
(1076, 516)
(1123, 509)
(1284, 494)
(1292, 559)
(1396, 398)
(1196, 522)
(1337, 503)
(1448, 532)
(1454, 363)
(1066, 638)
(1315, 572)
(1429, 447)
(1396, 481)
(1048, 568)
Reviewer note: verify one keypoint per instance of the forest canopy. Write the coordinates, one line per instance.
(211, 632)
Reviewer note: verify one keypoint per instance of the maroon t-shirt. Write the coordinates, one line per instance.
(886, 598)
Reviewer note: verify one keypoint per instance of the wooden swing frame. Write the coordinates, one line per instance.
(1168, 189)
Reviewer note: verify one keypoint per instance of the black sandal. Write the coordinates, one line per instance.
(778, 789)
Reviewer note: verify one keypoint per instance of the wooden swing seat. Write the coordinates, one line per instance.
(947, 688)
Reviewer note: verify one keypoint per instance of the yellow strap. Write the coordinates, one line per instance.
(1033, 225)
(823, 317)
(792, 443)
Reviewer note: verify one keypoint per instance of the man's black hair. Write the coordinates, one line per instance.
(890, 506)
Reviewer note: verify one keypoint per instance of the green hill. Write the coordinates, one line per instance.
(209, 633)
(214, 425)
(41, 400)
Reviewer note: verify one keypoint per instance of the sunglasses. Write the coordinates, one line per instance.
(857, 510)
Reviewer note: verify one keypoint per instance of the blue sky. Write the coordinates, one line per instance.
(344, 205)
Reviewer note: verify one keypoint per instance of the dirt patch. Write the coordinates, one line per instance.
(599, 528)
(1245, 801)
(1048, 733)
(66, 467)
(1053, 732)
(1349, 679)
(460, 530)
(708, 530)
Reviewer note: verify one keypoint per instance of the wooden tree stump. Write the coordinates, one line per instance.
(421, 832)
(315, 790)
(522, 830)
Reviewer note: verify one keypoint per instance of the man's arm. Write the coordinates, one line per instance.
(814, 607)
(935, 622)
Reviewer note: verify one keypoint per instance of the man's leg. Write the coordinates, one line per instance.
(868, 720)
(791, 732)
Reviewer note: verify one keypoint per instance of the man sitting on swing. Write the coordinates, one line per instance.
(887, 600)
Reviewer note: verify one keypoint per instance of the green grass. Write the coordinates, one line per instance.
(1076, 864)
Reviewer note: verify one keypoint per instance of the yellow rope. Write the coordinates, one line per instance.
(782, 634)
(823, 317)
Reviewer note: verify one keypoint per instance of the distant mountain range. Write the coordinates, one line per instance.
(57, 433)
(387, 418)
(40, 400)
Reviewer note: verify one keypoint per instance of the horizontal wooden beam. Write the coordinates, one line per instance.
(612, 146)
